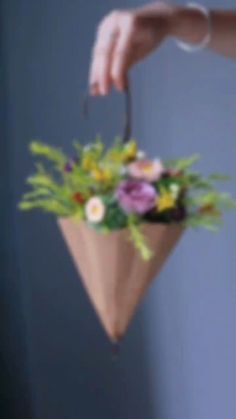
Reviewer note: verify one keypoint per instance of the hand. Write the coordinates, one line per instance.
(124, 38)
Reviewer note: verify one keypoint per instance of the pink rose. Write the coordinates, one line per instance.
(149, 170)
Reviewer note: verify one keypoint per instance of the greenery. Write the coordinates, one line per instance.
(89, 185)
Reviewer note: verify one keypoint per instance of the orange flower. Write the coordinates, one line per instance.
(209, 209)
(78, 198)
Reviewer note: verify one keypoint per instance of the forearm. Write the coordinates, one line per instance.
(191, 26)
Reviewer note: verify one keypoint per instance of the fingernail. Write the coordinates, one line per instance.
(93, 89)
(103, 90)
(120, 87)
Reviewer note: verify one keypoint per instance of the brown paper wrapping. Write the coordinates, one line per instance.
(113, 273)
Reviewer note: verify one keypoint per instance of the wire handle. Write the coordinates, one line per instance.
(127, 129)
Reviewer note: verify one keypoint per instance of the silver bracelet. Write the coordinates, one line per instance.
(207, 38)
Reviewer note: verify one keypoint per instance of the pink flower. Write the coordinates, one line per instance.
(149, 170)
(136, 196)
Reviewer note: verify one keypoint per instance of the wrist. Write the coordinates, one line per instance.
(188, 25)
(159, 17)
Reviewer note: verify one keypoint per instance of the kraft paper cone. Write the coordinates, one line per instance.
(112, 270)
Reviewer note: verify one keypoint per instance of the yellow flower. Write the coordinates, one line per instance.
(115, 156)
(165, 201)
(130, 151)
(210, 210)
(88, 163)
(102, 175)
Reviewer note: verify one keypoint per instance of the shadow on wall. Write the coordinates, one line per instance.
(57, 359)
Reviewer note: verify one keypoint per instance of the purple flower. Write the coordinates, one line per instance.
(179, 214)
(69, 166)
(136, 196)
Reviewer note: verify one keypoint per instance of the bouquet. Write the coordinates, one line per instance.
(121, 214)
(122, 188)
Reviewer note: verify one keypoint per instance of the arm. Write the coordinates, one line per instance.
(128, 36)
(191, 26)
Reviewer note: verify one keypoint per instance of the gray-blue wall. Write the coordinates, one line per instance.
(188, 104)
(178, 359)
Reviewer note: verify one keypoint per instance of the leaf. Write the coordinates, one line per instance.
(219, 177)
(47, 205)
(52, 154)
(215, 198)
(139, 240)
(78, 147)
(36, 193)
(39, 179)
(196, 181)
(208, 222)
(115, 218)
(183, 163)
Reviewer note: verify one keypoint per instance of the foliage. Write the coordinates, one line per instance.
(139, 239)
(66, 186)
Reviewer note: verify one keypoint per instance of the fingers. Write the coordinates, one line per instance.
(122, 55)
(100, 78)
(111, 53)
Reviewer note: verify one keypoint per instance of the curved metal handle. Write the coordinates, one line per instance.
(127, 117)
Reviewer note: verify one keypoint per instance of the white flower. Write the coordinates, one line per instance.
(95, 210)
(123, 171)
(87, 147)
(141, 154)
(175, 188)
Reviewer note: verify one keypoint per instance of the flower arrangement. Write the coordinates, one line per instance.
(121, 187)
